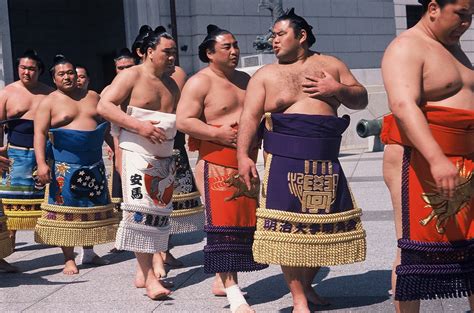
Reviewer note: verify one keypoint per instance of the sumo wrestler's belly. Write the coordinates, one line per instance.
(312, 106)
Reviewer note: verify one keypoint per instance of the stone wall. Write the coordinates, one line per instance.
(357, 31)
(2, 76)
(467, 41)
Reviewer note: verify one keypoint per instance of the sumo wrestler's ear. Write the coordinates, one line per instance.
(209, 53)
(303, 36)
(433, 10)
(149, 52)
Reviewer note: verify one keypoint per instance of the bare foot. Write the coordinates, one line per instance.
(156, 291)
(244, 308)
(316, 299)
(158, 266)
(170, 260)
(70, 268)
(6, 267)
(218, 288)
(139, 278)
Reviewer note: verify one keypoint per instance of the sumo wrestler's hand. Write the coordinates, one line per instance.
(247, 171)
(110, 153)
(154, 134)
(321, 85)
(226, 135)
(43, 174)
(446, 177)
(4, 161)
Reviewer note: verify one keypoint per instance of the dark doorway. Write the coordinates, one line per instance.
(88, 32)
(414, 13)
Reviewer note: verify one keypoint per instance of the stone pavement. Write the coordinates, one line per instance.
(363, 287)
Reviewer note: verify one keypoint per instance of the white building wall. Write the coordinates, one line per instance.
(357, 31)
(467, 41)
(2, 76)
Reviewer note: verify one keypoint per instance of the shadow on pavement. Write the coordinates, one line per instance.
(256, 296)
(119, 257)
(187, 239)
(266, 290)
(184, 279)
(195, 258)
(352, 291)
(8, 280)
(30, 247)
(53, 259)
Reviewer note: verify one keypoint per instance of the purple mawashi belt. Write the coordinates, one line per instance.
(304, 148)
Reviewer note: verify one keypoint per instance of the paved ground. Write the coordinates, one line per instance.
(360, 287)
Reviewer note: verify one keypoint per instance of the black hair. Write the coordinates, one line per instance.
(82, 66)
(145, 29)
(441, 3)
(209, 43)
(124, 53)
(298, 23)
(152, 39)
(59, 59)
(31, 54)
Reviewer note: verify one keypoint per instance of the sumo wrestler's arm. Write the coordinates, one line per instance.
(189, 113)
(109, 107)
(347, 90)
(42, 123)
(351, 93)
(99, 119)
(4, 161)
(402, 72)
(179, 76)
(248, 125)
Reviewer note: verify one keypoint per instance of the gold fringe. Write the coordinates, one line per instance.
(187, 212)
(77, 210)
(110, 179)
(116, 200)
(22, 201)
(306, 218)
(22, 223)
(76, 225)
(295, 254)
(46, 192)
(71, 237)
(6, 247)
(14, 214)
(309, 239)
(268, 121)
(308, 250)
(186, 196)
(266, 174)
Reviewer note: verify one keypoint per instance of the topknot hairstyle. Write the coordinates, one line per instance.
(31, 54)
(298, 23)
(144, 30)
(152, 38)
(59, 59)
(210, 41)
